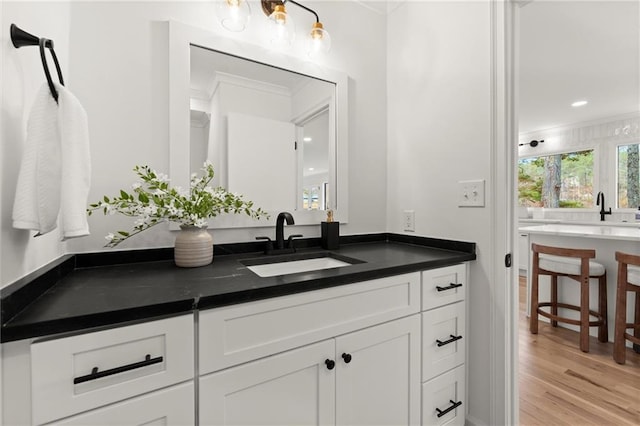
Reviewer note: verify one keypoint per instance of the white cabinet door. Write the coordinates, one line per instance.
(380, 385)
(173, 406)
(291, 388)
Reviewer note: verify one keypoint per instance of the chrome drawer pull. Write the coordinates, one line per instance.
(95, 374)
(449, 287)
(453, 406)
(446, 342)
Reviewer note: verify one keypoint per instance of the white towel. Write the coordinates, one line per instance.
(55, 172)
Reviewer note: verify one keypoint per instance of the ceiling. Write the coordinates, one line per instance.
(577, 50)
(568, 51)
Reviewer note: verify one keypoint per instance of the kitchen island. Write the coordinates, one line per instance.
(605, 240)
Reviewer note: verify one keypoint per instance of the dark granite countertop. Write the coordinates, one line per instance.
(83, 291)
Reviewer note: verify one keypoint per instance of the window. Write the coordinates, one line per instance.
(557, 181)
(628, 165)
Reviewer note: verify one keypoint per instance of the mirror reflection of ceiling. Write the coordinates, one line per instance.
(206, 63)
(578, 50)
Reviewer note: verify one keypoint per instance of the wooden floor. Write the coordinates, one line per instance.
(560, 385)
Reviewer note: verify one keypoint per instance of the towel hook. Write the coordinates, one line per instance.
(21, 38)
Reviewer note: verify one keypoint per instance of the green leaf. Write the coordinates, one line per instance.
(123, 194)
(123, 233)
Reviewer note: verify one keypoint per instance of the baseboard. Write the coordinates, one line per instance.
(472, 421)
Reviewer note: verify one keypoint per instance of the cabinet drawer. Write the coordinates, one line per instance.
(166, 407)
(443, 339)
(236, 334)
(78, 373)
(443, 286)
(442, 399)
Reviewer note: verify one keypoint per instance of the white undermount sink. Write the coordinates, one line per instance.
(294, 265)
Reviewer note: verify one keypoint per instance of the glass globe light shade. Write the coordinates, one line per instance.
(282, 28)
(234, 14)
(318, 41)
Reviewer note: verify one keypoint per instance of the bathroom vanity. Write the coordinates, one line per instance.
(379, 341)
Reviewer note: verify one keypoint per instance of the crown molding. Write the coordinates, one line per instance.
(251, 84)
(199, 119)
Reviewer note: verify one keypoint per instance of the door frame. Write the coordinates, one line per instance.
(504, 127)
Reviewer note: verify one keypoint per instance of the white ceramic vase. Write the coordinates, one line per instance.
(193, 247)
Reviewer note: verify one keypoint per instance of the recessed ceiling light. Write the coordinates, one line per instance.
(579, 103)
(310, 169)
(307, 139)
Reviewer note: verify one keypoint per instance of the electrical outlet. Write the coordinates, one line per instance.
(471, 193)
(409, 220)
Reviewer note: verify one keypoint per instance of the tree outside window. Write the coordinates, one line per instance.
(628, 176)
(556, 181)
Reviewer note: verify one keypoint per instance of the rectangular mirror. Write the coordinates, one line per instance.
(267, 131)
(274, 127)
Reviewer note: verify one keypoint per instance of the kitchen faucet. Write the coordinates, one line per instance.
(280, 244)
(600, 202)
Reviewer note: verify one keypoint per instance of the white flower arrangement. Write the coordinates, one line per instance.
(153, 201)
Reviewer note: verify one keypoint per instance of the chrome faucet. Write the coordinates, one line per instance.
(600, 202)
(280, 243)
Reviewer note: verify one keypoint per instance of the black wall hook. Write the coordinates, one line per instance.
(21, 38)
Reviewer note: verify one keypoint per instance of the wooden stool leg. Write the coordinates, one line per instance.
(603, 329)
(584, 313)
(619, 354)
(636, 322)
(533, 319)
(554, 298)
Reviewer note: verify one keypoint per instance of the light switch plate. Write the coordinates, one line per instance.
(471, 193)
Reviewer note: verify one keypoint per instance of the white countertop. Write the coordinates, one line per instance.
(525, 222)
(586, 231)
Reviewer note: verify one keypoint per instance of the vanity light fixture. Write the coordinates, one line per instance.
(281, 27)
(234, 15)
(532, 144)
(579, 104)
(318, 40)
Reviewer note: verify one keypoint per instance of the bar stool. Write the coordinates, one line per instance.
(575, 264)
(628, 280)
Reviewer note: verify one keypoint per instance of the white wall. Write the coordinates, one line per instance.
(22, 77)
(438, 109)
(115, 57)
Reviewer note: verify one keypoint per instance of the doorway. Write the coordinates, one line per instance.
(569, 53)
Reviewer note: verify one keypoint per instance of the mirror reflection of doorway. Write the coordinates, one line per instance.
(314, 157)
